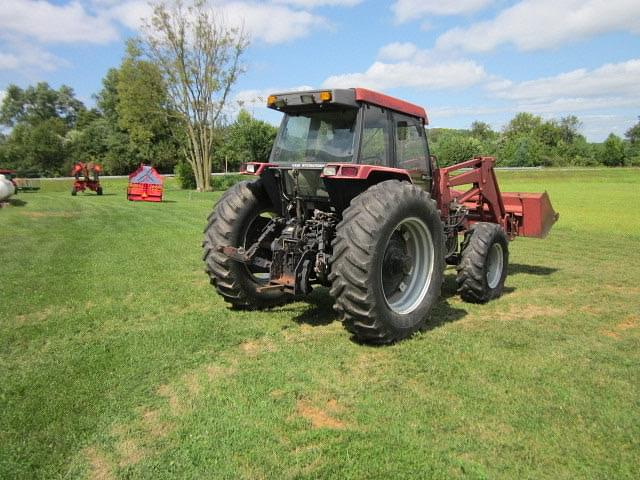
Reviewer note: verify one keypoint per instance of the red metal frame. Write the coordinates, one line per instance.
(369, 96)
(524, 214)
(357, 171)
(81, 169)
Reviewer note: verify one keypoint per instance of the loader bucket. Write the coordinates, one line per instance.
(533, 212)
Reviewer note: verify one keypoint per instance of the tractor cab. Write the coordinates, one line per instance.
(328, 138)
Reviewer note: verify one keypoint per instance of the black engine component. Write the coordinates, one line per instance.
(301, 253)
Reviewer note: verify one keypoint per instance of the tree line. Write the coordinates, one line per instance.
(165, 106)
(530, 141)
(51, 129)
(131, 123)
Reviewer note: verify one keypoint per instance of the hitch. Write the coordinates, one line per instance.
(237, 254)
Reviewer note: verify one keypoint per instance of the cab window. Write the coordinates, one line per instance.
(374, 144)
(410, 143)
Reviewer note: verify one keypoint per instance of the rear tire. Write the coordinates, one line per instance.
(483, 265)
(233, 223)
(388, 262)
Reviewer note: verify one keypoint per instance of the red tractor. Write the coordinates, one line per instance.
(87, 177)
(351, 199)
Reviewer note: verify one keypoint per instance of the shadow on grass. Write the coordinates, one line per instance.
(516, 268)
(320, 309)
(16, 202)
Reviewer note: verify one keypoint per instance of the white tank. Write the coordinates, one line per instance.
(6, 188)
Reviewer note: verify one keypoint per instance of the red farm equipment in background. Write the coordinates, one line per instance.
(145, 185)
(87, 177)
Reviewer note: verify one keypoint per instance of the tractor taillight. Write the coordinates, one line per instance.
(349, 171)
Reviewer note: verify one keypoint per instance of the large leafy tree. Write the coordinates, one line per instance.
(142, 104)
(134, 121)
(633, 134)
(39, 103)
(245, 140)
(613, 151)
(199, 57)
(40, 118)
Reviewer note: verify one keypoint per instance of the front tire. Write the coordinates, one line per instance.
(236, 221)
(388, 262)
(483, 264)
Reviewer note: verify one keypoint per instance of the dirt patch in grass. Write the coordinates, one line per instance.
(130, 452)
(192, 382)
(517, 313)
(50, 214)
(253, 348)
(99, 465)
(215, 371)
(528, 312)
(277, 393)
(321, 417)
(41, 316)
(154, 425)
(628, 323)
(175, 404)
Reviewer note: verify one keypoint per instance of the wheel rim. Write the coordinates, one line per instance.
(407, 266)
(494, 265)
(253, 231)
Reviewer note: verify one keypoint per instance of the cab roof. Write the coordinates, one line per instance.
(292, 102)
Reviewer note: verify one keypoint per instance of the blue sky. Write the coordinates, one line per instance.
(462, 60)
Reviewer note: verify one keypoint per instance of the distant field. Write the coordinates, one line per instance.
(117, 360)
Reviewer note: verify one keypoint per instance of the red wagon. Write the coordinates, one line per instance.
(145, 185)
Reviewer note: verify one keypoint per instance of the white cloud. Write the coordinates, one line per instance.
(397, 51)
(47, 22)
(578, 89)
(29, 58)
(538, 24)
(128, 13)
(320, 3)
(405, 10)
(8, 61)
(440, 76)
(273, 23)
(407, 66)
(267, 22)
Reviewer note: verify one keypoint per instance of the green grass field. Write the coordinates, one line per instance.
(118, 360)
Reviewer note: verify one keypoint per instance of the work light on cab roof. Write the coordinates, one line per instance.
(351, 199)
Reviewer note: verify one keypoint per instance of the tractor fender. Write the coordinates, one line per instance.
(351, 180)
(371, 173)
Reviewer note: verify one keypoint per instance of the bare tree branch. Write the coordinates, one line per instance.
(199, 55)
